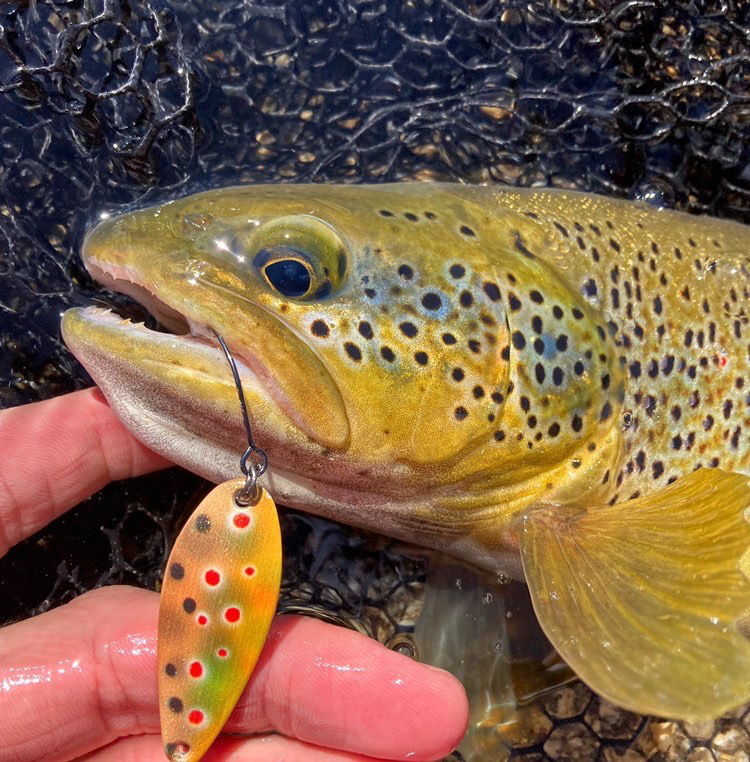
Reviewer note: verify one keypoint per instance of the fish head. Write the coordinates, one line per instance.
(370, 330)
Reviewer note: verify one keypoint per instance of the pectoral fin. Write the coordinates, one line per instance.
(220, 591)
(647, 600)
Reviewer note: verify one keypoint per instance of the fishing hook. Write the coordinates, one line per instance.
(250, 493)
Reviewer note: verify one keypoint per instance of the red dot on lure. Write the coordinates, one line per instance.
(232, 614)
(241, 520)
(196, 717)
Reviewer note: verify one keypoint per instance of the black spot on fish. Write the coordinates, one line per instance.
(460, 413)
(493, 292)
(431, 301)
(421, 358)
(365, 330)
(457, 271)
(467, 231)
(406, 272)
(387, 354)
(320, 328)
(353, 351)
(449, 339)
(408, 329)
(458, 374)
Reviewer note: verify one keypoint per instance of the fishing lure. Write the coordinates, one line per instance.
(220, 591)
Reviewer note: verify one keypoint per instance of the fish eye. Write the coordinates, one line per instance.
(298, 256)
(289, 277)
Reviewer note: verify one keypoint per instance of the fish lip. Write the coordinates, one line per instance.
(124, 279)
(129, 280)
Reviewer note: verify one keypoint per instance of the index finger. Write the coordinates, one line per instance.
(55, 453)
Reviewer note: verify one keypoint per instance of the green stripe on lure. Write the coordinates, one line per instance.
(526, 379)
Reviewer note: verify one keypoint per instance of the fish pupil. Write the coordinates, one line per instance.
(289, 277)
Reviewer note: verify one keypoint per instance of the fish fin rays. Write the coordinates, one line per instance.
(648, 600)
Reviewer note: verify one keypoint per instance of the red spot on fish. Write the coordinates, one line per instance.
(212, 577)
(241, 520)
(196, 669)
(232, 614)
(222, 652)
(196, 717)
(249, 570)
(202, 619)
(722, 361)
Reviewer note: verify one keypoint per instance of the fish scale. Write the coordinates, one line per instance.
(676, 297)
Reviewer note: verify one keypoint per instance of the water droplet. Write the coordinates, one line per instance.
(487, 598)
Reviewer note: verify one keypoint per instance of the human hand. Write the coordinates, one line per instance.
(80, 681)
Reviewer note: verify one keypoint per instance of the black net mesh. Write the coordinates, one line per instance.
(106, 104)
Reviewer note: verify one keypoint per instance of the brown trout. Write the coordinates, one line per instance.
(545, 383)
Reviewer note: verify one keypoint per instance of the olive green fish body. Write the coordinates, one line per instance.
(462, 353)
(543, 382)
(672, 292)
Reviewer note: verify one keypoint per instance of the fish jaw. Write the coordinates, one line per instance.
(176, 392)
(210, 296)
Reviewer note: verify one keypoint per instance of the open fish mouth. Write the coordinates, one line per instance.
(180, 330)
(174, 389)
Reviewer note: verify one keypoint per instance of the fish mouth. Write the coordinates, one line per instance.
(173, 388)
